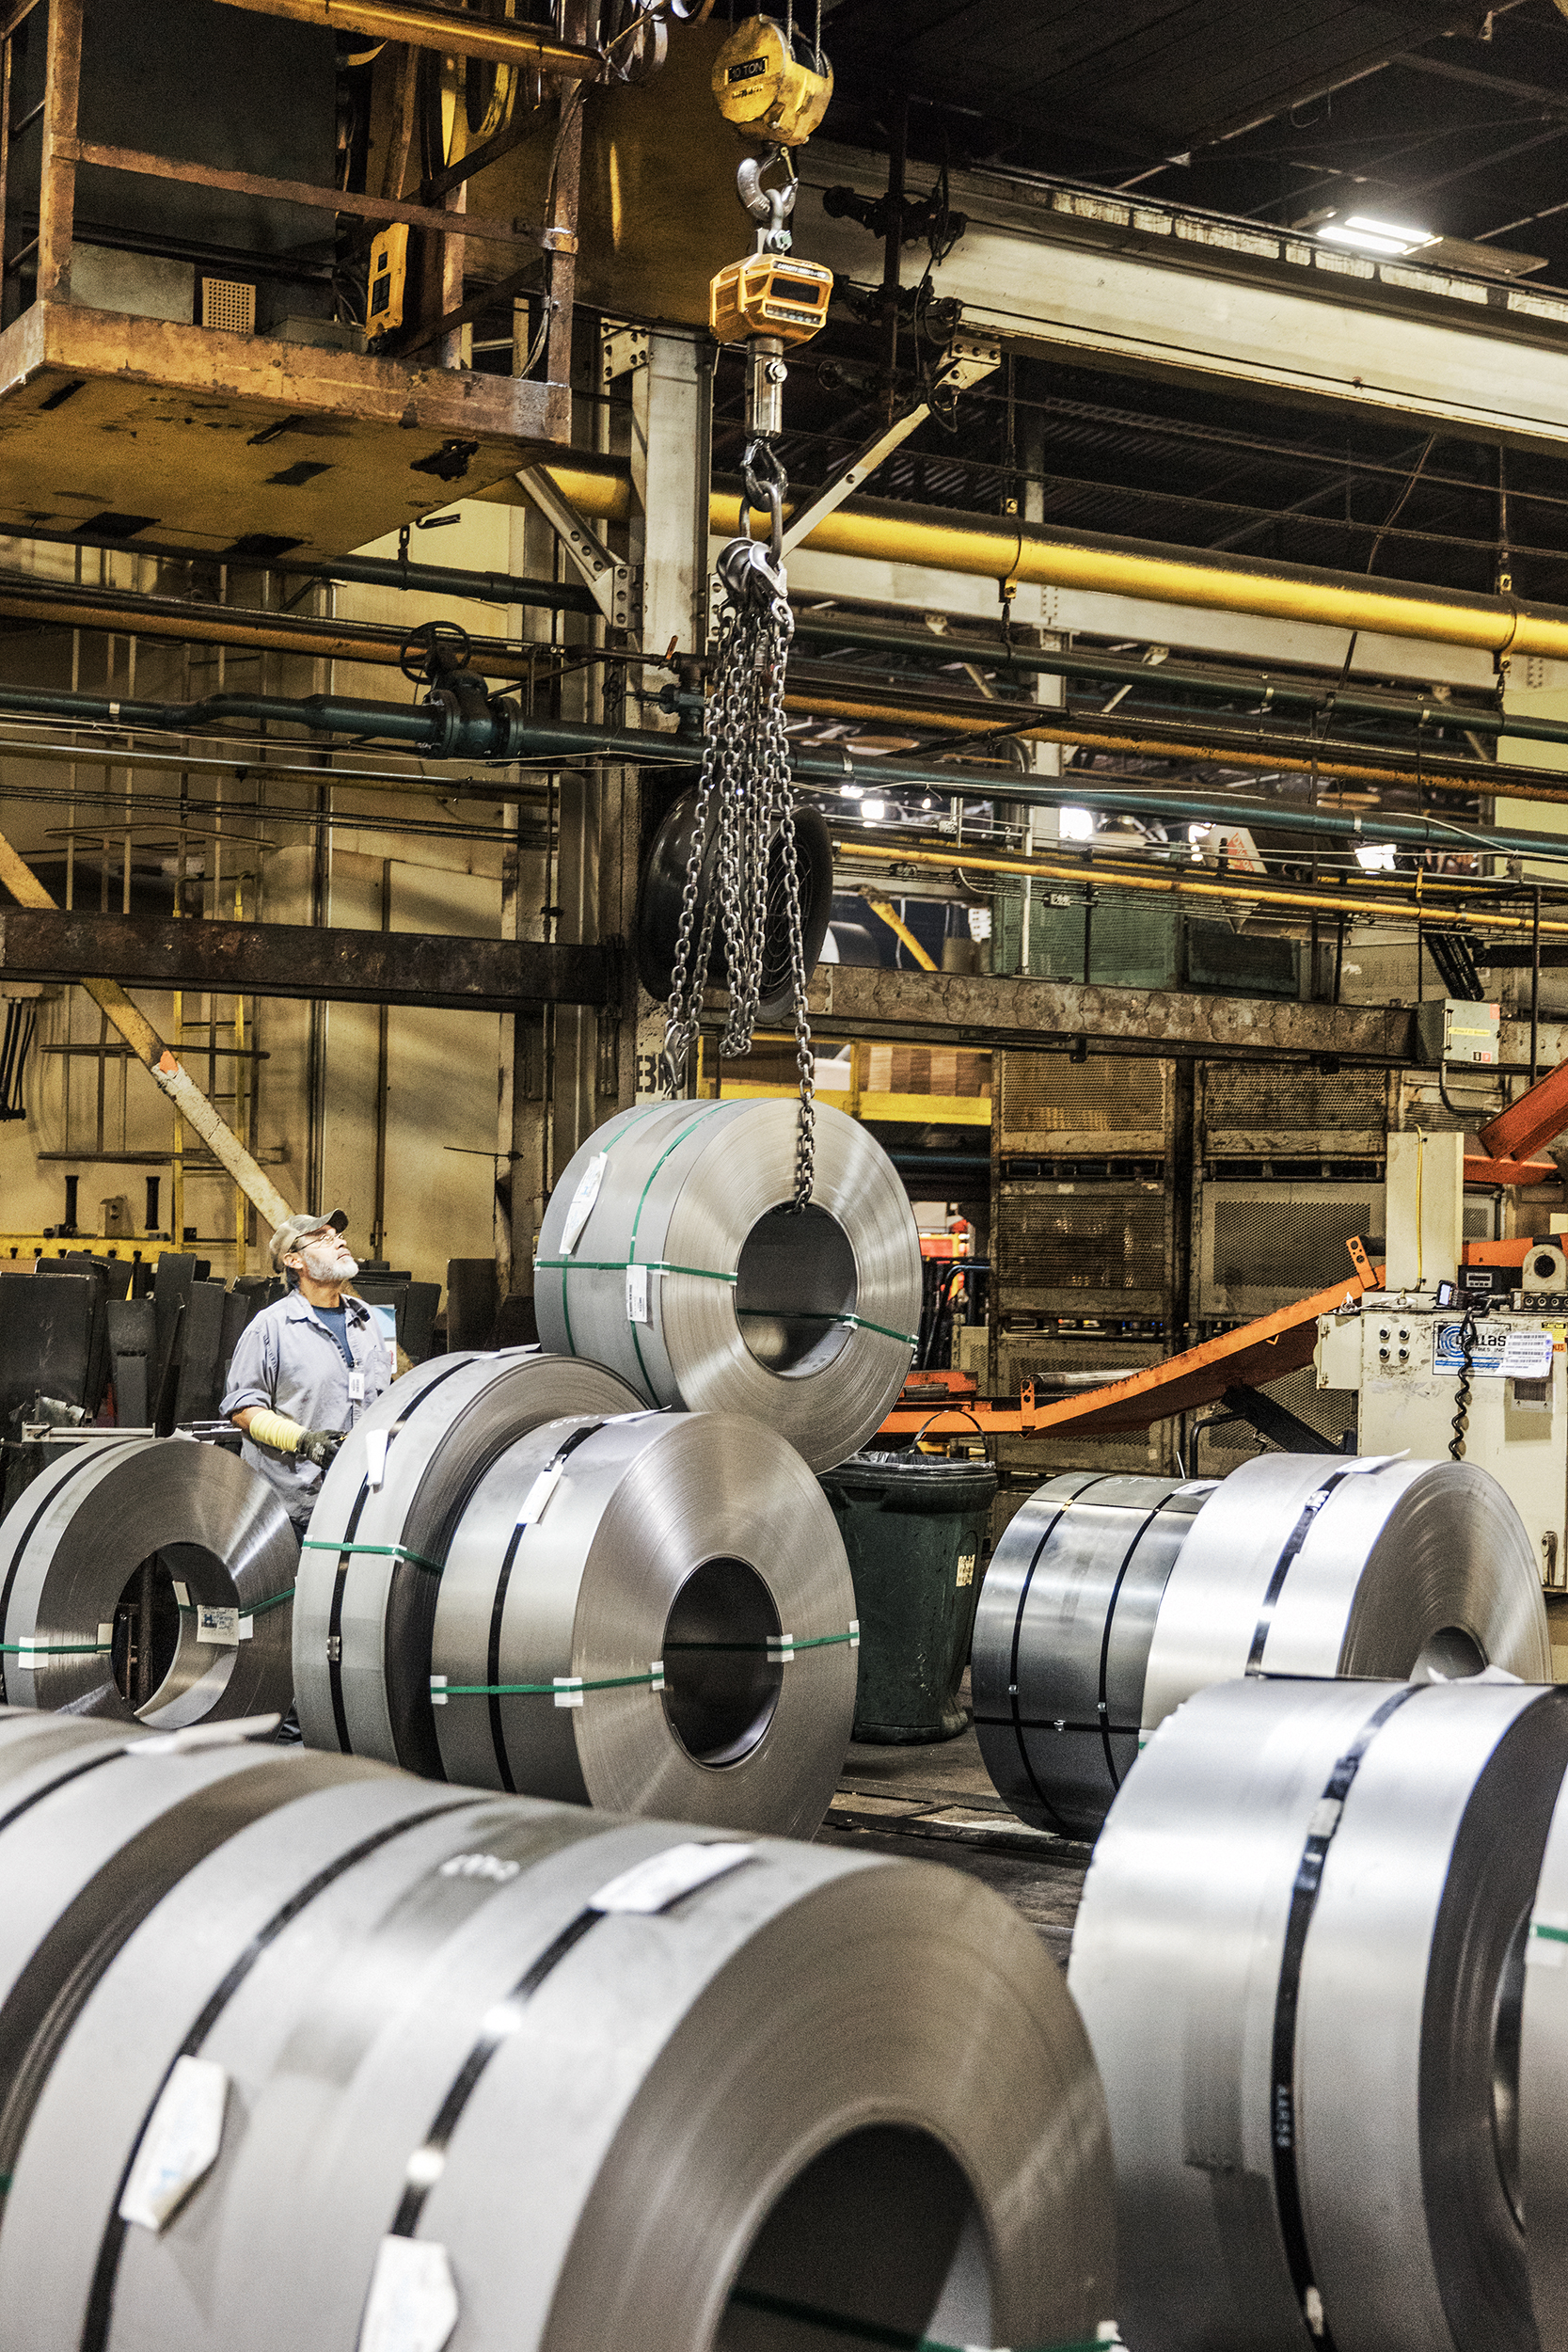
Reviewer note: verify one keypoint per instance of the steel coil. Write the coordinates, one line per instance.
(670, 1251)
(371, 1564)
(73, 1543)
(302, 2051)
(1298, 1957)
(1110, 1601)
(1543, 2084)
(651, 1614)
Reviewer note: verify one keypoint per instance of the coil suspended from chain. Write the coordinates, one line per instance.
(371, 1565)
(670, 1251)
(301, 2051)
(653, 1614)
(226, 1560)
(1110, 1601)
(1299, 1957)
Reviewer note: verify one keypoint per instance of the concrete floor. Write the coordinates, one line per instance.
(938, 1802)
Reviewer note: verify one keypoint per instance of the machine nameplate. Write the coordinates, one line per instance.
(1501, 1351)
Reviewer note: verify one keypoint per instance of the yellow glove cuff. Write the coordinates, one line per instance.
(275, 1429)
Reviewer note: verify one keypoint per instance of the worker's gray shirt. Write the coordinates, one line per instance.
(290, 1363)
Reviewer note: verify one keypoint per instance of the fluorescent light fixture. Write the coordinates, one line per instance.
(1377, 857)
(873, 809)
(1077, 824)
(850, 792)
(1363, 234)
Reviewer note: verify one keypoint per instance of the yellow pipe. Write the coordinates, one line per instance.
(999, 549)
(900, 930)
(426, 28)
(1255, 894)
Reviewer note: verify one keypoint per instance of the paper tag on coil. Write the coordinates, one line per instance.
(540, 1492)
(637, 1293)
(568, 1690)
(375, 1458)
(781, 1648)
(412, 2305)
(219, 1626)
(107, 1635)
(438, 1689)
(664, 1878)
(183, 2134)
(582, 1203)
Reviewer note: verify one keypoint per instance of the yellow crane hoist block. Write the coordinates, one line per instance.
(769, 293)
(762, 87)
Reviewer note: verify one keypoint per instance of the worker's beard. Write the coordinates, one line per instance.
(328, 1261)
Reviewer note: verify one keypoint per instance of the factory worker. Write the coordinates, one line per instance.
(307, 1367)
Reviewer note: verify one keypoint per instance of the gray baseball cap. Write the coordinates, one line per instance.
(294, 1230)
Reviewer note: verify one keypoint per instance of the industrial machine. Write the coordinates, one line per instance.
(1461, 1360)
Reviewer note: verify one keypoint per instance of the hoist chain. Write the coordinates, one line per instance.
(744, 804)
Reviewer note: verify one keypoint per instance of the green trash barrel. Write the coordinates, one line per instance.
(914, 1527)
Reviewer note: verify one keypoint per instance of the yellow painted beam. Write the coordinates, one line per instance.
(926, 1110)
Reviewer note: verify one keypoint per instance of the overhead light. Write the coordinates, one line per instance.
(1363, 234)
(871, 810)
(1077, 824)
(1377, 857)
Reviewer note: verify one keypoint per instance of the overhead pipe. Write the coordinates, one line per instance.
(167, 1071)
(1268, 686)
(1005, 548)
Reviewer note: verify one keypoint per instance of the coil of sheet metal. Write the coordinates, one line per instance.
(1110, 1601)
(670, 1251)
(653, 1614)
(1536, 2007)
(1298, 1956)
(303, 2051)
(70, 1548)
(371, 1564)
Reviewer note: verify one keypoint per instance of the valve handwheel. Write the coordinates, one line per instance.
(430, 652)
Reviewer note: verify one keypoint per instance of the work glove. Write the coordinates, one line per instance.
(321, 1446)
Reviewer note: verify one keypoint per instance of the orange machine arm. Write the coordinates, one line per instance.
(1523, 1128)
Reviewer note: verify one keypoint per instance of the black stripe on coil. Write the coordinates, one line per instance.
(1282, 1567)
(1019, 1726)
(497, 1610)
(340, 1580)
(85, 1456)
(95, 2326)
(1057, 1722)
(1105, 1727)
(1282, 2070)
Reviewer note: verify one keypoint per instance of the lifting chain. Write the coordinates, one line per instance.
(744, 804)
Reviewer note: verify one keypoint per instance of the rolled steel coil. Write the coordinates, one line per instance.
(1110, 1601)
(1298, 1956)
(302, 2051)
(1540, 2019)
(71, 1544)
(670, 1251)
(653, 1614)
(371, 1564)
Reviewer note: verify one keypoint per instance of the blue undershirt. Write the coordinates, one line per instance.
(335, 1320)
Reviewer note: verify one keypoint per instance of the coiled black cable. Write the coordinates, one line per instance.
(1462, 1392)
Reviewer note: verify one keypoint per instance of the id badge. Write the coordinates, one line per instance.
(356, 1387)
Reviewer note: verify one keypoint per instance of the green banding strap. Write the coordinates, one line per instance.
(55, 1649)
(781, 1648)
(536, 1690)
(875, 2331)
(260, 1608)
(1552, 1936)
(811, 1314)
(712, 1274)
(385, 1552)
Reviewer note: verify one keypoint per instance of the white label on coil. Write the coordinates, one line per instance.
(781, 1648)
(220, 1626)
(247, 1628)
(375, 1458)
(357, 1386)
(582, 1203)
(664, 1878)
(1324, 1820)
(438, 1689)
(181, 1591)
(183, 2134)
(412, 2305)
(854, 1633)
(539, 1494)
(656, 1673)
(106, 1636)
(1527, 1356)
(568, 1690)
(637, 1293)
